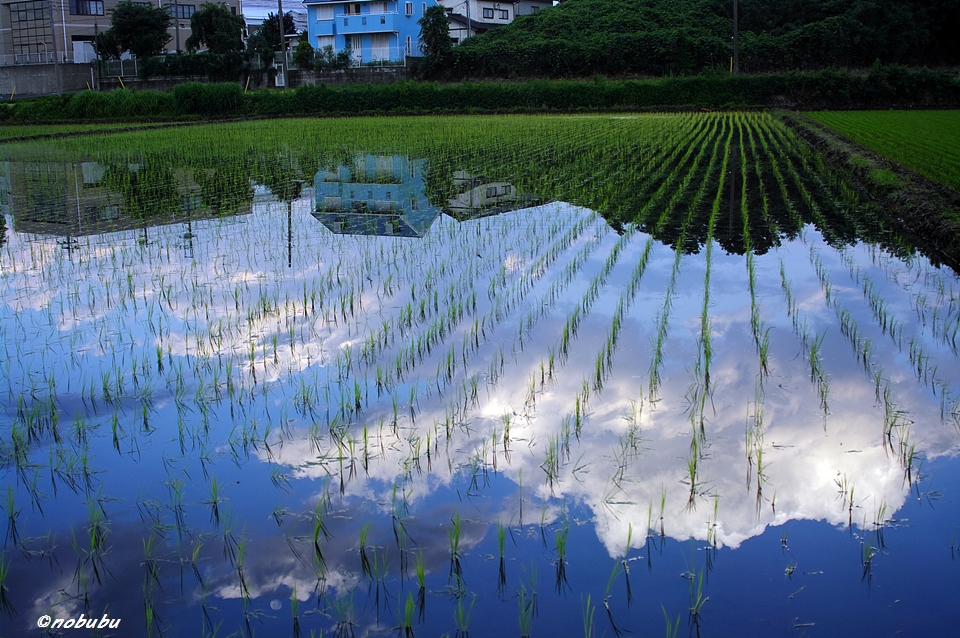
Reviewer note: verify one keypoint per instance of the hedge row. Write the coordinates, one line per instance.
(882, 87)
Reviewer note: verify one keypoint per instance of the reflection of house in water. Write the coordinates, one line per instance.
(375, 195)
(480, 197)
(62, 198)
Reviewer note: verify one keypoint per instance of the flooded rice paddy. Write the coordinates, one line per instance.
(652, 375)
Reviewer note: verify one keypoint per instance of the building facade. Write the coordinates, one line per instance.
(47, 31)
(375, 195)
(373, 31)
(470, 17)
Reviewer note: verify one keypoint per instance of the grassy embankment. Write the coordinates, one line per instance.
(927, 142)
(904, 162)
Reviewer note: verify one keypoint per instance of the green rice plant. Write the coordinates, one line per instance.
(502, 568)
(697, 599)
(453, 536)
(6, 606)
(673, 627)
(12, 515)
(406, 623)
(419, 570)
(364, 558)
(589, 630)
(560, 546)
(461, 616)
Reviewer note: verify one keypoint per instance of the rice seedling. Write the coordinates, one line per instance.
(673, 627)
(589, 630)
(697, 599)
(453, 536)
(461, 616)
(560, 546)
(502, 567)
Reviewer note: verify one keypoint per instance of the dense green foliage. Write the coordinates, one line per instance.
(657, 37)
(888, 86)
(224, 67)
(214, 27)
(925, 141)
(435, 41)
(138, 28)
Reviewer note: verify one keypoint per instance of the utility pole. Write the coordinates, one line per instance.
(283, 45)
(176, 22)
(56, 61)
(736, 39)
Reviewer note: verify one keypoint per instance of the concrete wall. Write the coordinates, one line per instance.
(357, 75)
(41, 79)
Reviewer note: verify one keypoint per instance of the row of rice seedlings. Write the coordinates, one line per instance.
(698, 393)
(700, 389)
(664, 316)
(755, 430)
(895, 420)
(810, 344)
(604, 359)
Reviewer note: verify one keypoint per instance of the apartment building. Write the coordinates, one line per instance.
(47, 31)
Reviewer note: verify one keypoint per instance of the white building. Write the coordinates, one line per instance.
(470, 17)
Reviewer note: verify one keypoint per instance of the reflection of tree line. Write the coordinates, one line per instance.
(598, 176)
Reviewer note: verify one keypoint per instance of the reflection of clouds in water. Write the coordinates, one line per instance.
(807, 462)
(623, 485)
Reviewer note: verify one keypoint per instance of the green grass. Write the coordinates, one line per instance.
(927, 142)
(8, 131)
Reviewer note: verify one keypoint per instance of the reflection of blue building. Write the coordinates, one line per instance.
(371, 31)
(376, 195)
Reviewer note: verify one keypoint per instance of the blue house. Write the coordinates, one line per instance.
(376, 195)
(384, 30)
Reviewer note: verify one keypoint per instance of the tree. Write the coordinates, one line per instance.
(137, 28)
(435, 40)
(304, 55)
(271, 31)
(266, 39)
(216, 28)
(107, 46)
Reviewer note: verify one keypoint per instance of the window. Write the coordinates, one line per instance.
(506, 189)
(31, 29)
(409, 45)
(491, 191)
(184, 11)
(324, 12)
(423, 8)
(504, 14)
(488, 14)
(86, 7)
(414, 205)
(363, 20)
(353, 9)
(383, 19)
(534, 8)
(408, 8)
(389, 195)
